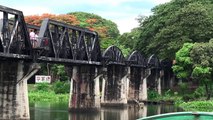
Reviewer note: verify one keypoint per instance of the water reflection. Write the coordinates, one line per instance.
(84, 116)
(47, 111)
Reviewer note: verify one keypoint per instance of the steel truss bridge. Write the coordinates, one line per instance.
(59, 43)
(78, 49)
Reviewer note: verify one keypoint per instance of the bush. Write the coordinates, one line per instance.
(188, 97)
(153, 95)
(178, 101)
(206, 106)
(61, 87)
(168, 93)
(183, 88)
(41, 96)
(199, 92)
(42, 87)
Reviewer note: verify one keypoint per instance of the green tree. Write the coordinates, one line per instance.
(173, 24)
(128, 40)
(106, 28)
(202, 58)
(196, 61)
(58, 72)
(183, 65)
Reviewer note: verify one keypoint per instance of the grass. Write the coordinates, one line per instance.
(41, 96)
(46, 95)
(204, 106)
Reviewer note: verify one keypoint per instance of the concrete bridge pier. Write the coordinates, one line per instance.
(97, 93)
(143, 87)
(114, 87)
(158, 76)
(134, 83)
(159, 81)
(84, 89)
(14, 104)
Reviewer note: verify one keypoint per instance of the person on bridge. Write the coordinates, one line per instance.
(33, 38)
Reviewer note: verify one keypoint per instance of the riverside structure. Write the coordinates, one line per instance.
(97, 79)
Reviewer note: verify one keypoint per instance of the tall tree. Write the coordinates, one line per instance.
(37, 19)
(106, 28)
(183, 62)
(128, 40)
(174, 23)
(202, 58)
(195, 61)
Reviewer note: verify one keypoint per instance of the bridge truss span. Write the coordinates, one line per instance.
(65, 42)
(14, 37)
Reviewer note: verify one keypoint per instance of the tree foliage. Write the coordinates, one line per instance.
(37, 19)
(183, 65)
(58, 72)
(196, 61)
(202, 59)
(128, 40)
(173, 24)
(106, 28)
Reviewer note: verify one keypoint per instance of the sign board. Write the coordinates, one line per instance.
(42, 79)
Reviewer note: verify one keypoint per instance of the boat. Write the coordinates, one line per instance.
(181, 116)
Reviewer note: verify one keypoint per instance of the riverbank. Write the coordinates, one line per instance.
(49, 93)
(57, 92)
(203, 106)
(42, 96)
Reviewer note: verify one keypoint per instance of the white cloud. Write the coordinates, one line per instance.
(128, 23)
(123, 16)
(94, 2)
(107, 2)
(30, 10)
(125, 25)
(125, 21)
(117, 2)
(157, 2)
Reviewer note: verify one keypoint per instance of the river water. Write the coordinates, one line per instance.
(53, 111)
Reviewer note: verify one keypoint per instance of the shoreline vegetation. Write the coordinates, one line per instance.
(41, 96)
(58, 92)
(202, 106)
(187, 100)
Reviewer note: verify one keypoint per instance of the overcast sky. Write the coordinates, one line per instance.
(122, 12)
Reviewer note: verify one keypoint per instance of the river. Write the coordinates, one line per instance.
(53, 111)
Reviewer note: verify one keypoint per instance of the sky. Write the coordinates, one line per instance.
(122, 12)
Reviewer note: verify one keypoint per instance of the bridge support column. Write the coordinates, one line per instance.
(143, 86)
(14, 102)
(84, 89)
(97, 94)
(159, 82)
(159, 75)
(125, 88)
(74, 88)
(115, 87)
(130, 89)
(103, 85)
